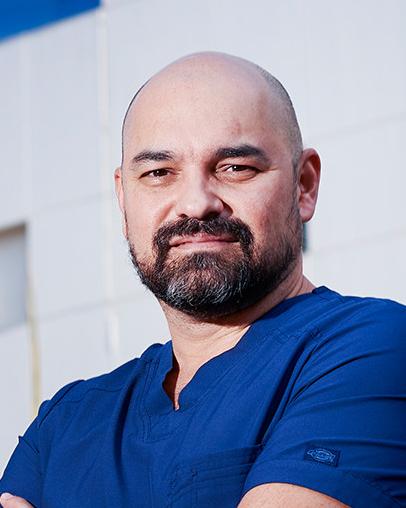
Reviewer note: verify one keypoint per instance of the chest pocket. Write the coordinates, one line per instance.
(213, 480)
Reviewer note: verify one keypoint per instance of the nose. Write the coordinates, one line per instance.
(198, 199)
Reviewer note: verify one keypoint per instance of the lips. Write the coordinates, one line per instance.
(200, 238)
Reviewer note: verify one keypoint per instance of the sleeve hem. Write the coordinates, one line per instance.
(336, 483)
(20, 491)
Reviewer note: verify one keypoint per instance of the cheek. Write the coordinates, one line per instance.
(146, 212)
(140, 233)
(139, 220)
(269, 217)
(269, 221)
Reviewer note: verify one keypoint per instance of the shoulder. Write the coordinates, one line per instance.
(360, 347)
(375, 321)
(331, 315)
(100, 388)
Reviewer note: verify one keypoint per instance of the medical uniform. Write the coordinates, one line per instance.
(314, 394)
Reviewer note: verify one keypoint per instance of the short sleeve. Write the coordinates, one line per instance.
(23, 474)
(343, 432)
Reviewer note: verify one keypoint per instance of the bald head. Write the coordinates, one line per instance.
(210, 74)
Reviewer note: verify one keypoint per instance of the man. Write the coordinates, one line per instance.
(272, 392)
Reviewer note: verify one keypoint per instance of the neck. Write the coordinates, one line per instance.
(196, 341)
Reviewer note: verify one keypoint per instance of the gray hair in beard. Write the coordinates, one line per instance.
(213, 284)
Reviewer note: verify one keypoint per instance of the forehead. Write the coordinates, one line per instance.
(194, 110)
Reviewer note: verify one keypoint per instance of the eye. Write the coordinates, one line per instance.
(155, 173)
(238, 172)
(238, 168)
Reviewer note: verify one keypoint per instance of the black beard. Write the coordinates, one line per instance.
(214, 284)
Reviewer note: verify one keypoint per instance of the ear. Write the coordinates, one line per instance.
(308, 180)
(118, 183)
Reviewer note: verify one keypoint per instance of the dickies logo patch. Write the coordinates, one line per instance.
(323, 455)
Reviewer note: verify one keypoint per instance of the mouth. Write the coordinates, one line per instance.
(201, 240)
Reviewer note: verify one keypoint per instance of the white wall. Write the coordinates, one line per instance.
(65, 88)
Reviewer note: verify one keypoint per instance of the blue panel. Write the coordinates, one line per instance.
(19, 15)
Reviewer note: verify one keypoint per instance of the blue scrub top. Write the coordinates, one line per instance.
(314, 394)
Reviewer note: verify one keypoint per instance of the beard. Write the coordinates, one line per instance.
(208, 285)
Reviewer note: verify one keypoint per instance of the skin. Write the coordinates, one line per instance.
(7, 500)
(192, 108)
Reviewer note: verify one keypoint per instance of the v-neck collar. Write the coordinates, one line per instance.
(211, 372)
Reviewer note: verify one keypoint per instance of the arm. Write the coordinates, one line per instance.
(342, 434)
(23, 473)
(9, 501)
(285, 495)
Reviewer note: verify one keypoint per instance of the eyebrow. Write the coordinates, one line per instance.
(151, 155)
(224, 152)
(244, 150)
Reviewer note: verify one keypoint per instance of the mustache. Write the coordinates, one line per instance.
(215, 226)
